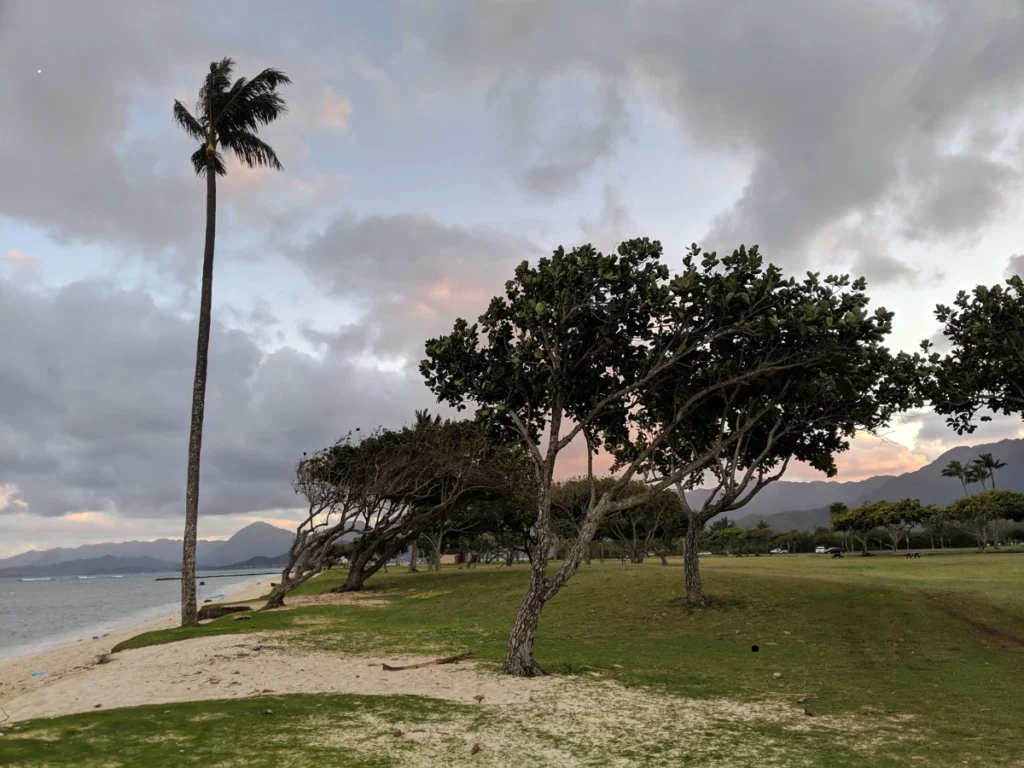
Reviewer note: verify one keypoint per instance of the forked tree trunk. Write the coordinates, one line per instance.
(691, 565)
(189, 609)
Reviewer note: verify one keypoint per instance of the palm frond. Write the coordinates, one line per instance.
(187, 122)
(199, 162)
(251, 150)
(215, 86)
(253, 103)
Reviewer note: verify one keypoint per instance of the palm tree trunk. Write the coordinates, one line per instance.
(189, 609)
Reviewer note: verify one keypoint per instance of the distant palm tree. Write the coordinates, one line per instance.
(424, 419)
(957, 470)
(975, 472)
(228, 115)
(991, 465)
(837, 508)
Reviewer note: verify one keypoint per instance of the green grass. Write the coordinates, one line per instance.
(937, 640)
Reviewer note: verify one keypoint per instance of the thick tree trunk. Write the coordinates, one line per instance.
(413, 556)
(510, 558)
(189, 609)
(519, 659)
(276, 599)
(691, 565)
(664, 560)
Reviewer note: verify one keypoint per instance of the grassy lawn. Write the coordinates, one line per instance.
(937, 641)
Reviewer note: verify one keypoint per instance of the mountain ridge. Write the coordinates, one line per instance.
(257, 539)
(804, 511)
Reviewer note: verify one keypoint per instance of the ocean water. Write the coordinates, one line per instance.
(39, 614)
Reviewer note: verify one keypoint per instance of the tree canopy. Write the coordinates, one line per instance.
(724, 370)
(984, 371)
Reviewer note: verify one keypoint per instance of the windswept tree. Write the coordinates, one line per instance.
(724, 371)
(330, 482)
(897, 518)
(414, 477)
(958, 470)
(984, 371)
(988, 463)
(228, 116)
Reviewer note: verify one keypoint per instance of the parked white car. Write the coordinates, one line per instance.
(820, 550)
(703, 554)
(779, 551)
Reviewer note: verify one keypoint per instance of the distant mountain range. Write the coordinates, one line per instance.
(803, 506)
(256, 545)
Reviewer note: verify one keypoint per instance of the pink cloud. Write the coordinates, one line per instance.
(21, 262)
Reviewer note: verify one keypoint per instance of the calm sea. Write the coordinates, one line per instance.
(39, 614)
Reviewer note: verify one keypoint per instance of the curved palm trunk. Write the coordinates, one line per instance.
(189, 609)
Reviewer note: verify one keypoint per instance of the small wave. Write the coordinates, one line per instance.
(36, 578)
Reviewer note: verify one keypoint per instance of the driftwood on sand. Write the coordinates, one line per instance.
(434, 663)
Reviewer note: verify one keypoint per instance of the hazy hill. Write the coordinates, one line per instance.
(255, 540)
(804, 505)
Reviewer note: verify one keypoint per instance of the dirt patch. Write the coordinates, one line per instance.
(1001, 636)
(332, 598)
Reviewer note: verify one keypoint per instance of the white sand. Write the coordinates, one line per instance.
(233, 666)
(69, 662)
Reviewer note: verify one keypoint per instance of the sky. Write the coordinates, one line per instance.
(430, 146)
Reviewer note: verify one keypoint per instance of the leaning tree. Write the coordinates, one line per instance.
(330, 482)
(412, 478)
(228, 116)
(678, 377)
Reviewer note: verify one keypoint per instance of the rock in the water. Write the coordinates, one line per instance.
(216, 611)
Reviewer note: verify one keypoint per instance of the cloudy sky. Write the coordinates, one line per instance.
(431, 145)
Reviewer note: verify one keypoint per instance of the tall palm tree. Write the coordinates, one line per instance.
(228, 116)
(957, 470)
(991, 465)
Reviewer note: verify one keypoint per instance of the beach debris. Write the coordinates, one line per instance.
(216, 611)
(104, 658)
(478, 698)
(202, 583)
(434, 663)
(38, 674)
(268, 711)
(96, 706)
(475, 749)
(207, 601)
(242, 618)
(776, 675)
(808, 712)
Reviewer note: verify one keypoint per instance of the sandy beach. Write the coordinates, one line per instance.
(70, 661)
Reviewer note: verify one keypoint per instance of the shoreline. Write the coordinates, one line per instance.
(16, 676)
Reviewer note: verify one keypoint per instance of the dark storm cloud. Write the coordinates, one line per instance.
(828, 99)
(97, 392)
